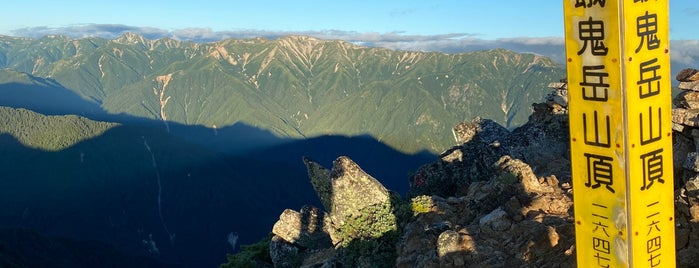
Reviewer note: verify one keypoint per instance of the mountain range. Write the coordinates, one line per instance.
(294, 86)
(164, 148)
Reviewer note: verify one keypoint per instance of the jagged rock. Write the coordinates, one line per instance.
(695, 138)
(692, 86)
(353, 189)
(688, 75)
(692, 184)
(360, 218)
(550, 204)
(686, 167)
(361, 205)
(687, 257)
(682, 146)
(347, 192)
(486, 130)
(323, 258)
(504, 198)
(558, 98)
(453, 173)
(439, 227)
(495, 221)
(304, 228)
(283, 254)
(687, 100)
(692, 162)
(558, 85)
(694, 211)
(686, 117)
(321, 181)
(543, 141)
(523, 173)
(488, 228)
(455, 249)
(521, 216)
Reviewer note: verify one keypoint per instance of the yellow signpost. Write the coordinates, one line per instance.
(618, 65)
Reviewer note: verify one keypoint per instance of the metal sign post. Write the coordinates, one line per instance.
(618, 65)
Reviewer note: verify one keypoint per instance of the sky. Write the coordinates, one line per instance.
(425, 25)
(404, 16)
(475, 18)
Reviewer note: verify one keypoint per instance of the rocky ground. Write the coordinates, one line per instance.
(499, 198)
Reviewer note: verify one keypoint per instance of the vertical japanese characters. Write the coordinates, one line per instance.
(619, 91)
(594, 83)
(650, 155)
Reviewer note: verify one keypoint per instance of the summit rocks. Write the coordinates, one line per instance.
(359, 215)
(498, 198)
(480, 204)
(686, 167)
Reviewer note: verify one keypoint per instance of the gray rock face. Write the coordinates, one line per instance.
(688, 75)
(686, 117)
(321, 181)
(353, 190)
(542, 142)
(283, 254)
(692, 162)
(524, 174)
(304, 228)
(495, 221)
(461, 165)
(692, 86)
(360, 209)
(485, 130)
(687, 99)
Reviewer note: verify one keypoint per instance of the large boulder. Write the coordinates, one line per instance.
(483, 130)
(461, 165)
(361, 205)
(304, 228)
(359, 217)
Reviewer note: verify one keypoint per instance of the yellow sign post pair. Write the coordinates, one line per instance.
(619, 92)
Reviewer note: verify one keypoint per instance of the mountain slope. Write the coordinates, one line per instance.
(137, 188)
(294, 86)
(149, 192)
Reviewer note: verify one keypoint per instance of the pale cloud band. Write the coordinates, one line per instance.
(685, 53)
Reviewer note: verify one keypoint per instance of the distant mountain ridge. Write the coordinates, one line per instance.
(295, 86)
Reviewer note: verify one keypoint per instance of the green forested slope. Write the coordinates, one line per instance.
(68, 176)
(50, 133)
(294, 86)
(140, 188)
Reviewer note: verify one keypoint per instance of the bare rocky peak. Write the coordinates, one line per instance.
(130, 38)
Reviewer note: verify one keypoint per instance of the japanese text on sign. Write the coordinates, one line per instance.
(621, 145)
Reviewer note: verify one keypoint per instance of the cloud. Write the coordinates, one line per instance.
(108, 31)
(685, 53)
(402, 12)
(692, 11)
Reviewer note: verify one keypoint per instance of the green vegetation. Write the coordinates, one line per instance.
(421, 204)
(372, 222)
(115, 180)
(368, 239)
(250, 255)
(50, 133)
(133, 180)
(377, 252)
(293, 86)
